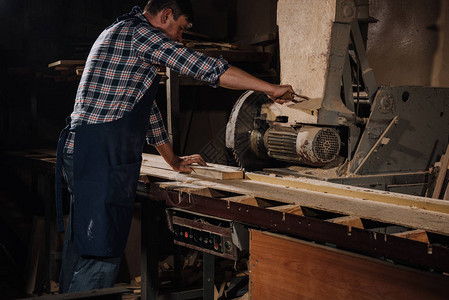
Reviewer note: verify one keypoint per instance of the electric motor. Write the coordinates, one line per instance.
(309, 145)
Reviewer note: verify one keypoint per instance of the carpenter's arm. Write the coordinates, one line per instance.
(162, 50)
(179, 163)
(237, 79)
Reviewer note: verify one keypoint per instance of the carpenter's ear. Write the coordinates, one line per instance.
(165, 15)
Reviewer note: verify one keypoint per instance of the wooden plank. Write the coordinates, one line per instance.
(79, 71)
(446, 193)
(287, 268)
(350, 221)
(175, 184)
(289, 208)
(417, 235)
(441, 174)
(438, 164)
(169, 174)
(214, 171)
(375, 147)
(66, 62)
(403, 215)
(248, 200)
(352, 191)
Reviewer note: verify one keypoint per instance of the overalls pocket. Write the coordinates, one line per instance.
(119, 203)
(123, 183)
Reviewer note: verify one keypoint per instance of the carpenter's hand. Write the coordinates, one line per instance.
(181, 164)
(279, 91)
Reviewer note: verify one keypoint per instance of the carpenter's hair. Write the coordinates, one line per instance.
(179, 8)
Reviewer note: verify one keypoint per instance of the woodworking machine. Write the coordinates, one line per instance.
(349, 124)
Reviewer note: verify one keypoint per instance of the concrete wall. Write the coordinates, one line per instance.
(409, 43)
(440, 72)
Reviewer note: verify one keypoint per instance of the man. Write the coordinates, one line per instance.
(103, 142)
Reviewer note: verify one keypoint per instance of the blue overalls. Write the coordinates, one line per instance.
(106, 165)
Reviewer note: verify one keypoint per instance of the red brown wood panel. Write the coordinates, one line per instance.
(286, 268)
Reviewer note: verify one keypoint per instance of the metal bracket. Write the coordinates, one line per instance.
(346, 11)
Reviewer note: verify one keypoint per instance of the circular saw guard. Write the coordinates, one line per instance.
(245, 129)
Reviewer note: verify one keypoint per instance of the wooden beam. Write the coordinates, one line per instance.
(352, 191)
(248, 200)
(214, 171)
(416, 235)
(217, 173)
(177, 184)
(287, 268)
(66, 63)
(289, 208)
(441, 174)
(446, 193)
(412, 216)
(79, 71)
(349, 221)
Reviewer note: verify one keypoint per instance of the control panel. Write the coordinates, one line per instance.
(203, 233)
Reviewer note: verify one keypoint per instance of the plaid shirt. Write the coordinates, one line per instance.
(123, 64)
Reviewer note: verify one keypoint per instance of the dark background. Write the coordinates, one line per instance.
(409, 45)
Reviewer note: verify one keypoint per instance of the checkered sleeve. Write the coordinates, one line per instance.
(154, 47)
(156, 134)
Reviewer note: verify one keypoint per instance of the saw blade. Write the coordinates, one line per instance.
(244, 119)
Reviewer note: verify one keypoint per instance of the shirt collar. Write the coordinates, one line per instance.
(136, 12)
(140, 15)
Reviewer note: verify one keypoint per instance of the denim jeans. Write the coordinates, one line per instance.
(79, 272)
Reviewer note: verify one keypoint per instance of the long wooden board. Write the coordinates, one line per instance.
(352, 191)
(316, 186)
(407, 216)
(66, 63)
(211, 170)
(441, 175)
(286, 268)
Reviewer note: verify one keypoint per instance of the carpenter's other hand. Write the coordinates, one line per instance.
(279, 91)
(183, 162)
